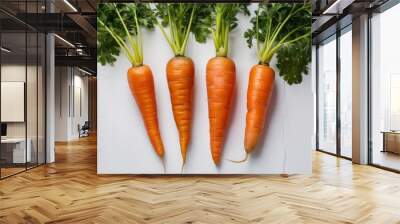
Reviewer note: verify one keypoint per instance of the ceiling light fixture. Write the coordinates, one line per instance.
(70, 5)
(84, 71)
(64, 40)
(5, 50)
(337, 7)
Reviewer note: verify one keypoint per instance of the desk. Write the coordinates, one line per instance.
(391, 141)
(16, 147)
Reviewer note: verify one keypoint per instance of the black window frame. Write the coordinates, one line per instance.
(339, 32)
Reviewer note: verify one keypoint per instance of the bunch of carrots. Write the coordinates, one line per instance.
(279, 29)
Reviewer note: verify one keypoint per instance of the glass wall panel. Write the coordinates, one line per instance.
(32, 85)
(327, 96)
(14, 154)
(41, 79)
(32, 95)
(385, 89)
(22, 77)
(346, 93)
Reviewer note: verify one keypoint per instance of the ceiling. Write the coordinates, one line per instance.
(333, 15)
(74, 22)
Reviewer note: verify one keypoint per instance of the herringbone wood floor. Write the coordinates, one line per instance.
(69, 191)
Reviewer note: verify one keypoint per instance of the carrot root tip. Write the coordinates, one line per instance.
(182, 167)
(240, 161)
(163, 163)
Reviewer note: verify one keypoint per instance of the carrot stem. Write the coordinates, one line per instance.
(135, 52)
(273, 39)
(178, 30)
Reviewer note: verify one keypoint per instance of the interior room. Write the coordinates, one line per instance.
(385, 90)
(283, 111)
(22, 100)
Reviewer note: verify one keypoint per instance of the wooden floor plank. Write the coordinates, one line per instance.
(70, 191)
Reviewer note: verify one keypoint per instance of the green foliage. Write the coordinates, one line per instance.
(293, 60)
(283, 29)
(107, 17)
(220, 19)
(179, 18)
(201, 23)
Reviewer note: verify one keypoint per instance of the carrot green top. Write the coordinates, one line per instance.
(114, 28)
(224, 21)
(181, 20)
(283, 29)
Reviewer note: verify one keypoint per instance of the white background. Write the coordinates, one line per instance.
(124, 147)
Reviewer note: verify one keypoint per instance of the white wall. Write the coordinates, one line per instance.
(17, 73)
(80, 105)
(123, 146)
(69, 81)
(61, 103)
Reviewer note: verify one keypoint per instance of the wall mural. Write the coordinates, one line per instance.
(195, 108)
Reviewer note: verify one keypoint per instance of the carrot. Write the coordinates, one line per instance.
(180, 76)
(220, 78)
(284, 30)
(259, 91)
(181, 20)
(221, 74)
(141, 83)
(140, 76)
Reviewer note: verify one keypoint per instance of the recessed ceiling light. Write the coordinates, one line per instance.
(5, 50)
(337, 7)
(64, 40)
(84, 71)
(70, 5)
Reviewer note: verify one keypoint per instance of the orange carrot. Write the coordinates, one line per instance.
(141, 83)
(221, 74)
(180, 75)
(259, 91)
(140, 77)
(284, 31)
(220, 77)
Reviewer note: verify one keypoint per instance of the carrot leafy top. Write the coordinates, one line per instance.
(221, 18)
(118, 22)
(181, 20)
(283, 29)
(225, 21)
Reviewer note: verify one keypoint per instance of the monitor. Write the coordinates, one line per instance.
(3, 129)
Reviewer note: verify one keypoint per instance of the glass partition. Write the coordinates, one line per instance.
(32, 95)
(346, 93)
(385, 89)
(41, 107)
(14, 153)
(327, 96)
(22, 77)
